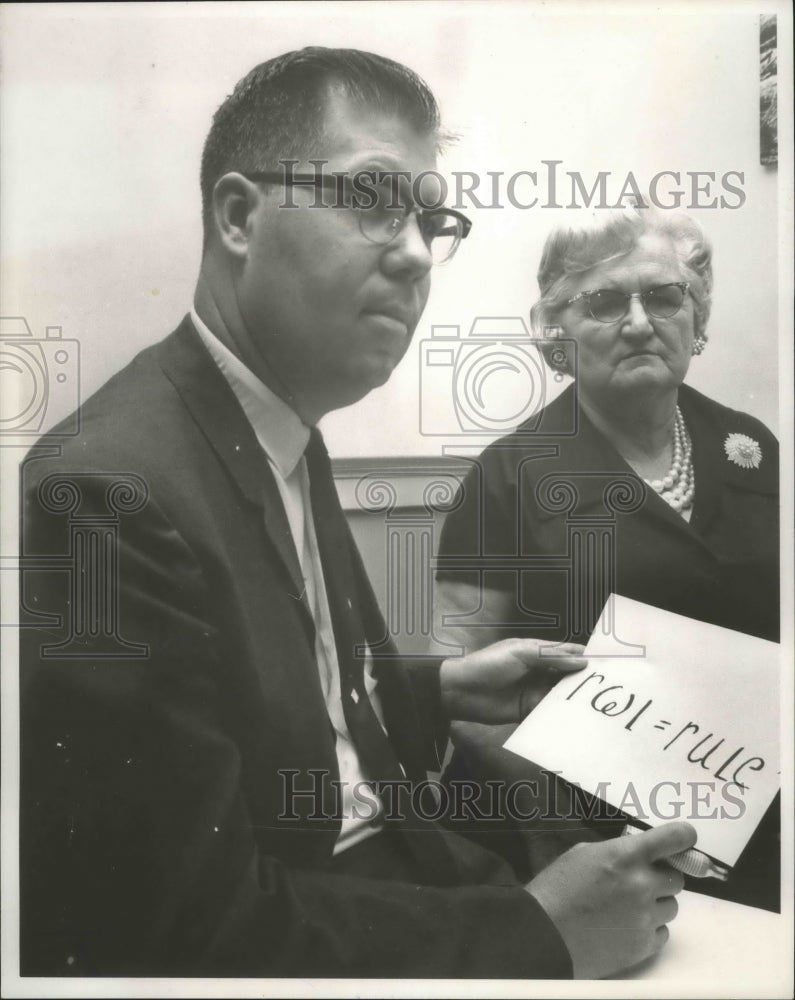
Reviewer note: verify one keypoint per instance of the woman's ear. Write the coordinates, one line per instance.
(235, 201)
(554, 350)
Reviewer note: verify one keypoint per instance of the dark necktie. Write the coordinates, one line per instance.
(344, 590)
(376, 754)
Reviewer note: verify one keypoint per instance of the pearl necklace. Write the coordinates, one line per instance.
(678, 487)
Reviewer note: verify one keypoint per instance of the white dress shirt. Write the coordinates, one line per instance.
(283, 437)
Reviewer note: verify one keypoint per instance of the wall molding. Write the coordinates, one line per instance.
(379, 484)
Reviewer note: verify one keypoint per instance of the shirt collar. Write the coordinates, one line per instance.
(280, 431)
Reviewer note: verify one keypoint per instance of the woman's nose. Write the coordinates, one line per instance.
(637, 319)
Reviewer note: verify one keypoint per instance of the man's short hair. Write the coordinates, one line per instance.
(276, 111)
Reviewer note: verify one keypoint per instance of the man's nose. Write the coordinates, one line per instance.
(408, 251)
(637, 319)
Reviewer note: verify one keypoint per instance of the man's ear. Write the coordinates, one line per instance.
(235, 201)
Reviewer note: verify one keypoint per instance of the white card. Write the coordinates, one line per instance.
(686, 728)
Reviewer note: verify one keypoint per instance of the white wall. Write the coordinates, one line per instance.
(105, 108)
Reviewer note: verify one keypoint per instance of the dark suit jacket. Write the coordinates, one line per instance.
(159, 708)
(553, 517)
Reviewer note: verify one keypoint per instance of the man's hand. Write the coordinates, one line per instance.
(611, 901)
(503, 682)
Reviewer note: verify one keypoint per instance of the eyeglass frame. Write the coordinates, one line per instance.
(628, 297)
(332, 183)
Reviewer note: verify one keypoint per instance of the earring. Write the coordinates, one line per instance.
(699, 344)
(559, 363)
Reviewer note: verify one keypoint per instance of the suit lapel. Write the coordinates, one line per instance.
(709, 469)
(215, 408)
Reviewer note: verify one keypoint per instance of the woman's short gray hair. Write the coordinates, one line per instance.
(571, 250)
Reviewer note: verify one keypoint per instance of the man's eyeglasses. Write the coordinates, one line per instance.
(607, 305)
(442, 229)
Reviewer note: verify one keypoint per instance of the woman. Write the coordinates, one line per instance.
(679, 493)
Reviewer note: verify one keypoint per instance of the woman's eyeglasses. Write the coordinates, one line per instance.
(380, 220)
(607, 305)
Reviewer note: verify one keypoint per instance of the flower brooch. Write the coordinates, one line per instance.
(743, 451)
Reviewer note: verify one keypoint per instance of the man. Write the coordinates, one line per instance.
(189, 759)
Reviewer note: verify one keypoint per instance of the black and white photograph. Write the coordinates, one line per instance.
(397, 499)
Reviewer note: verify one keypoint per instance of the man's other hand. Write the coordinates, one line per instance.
(503, 682)
(611, 901)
